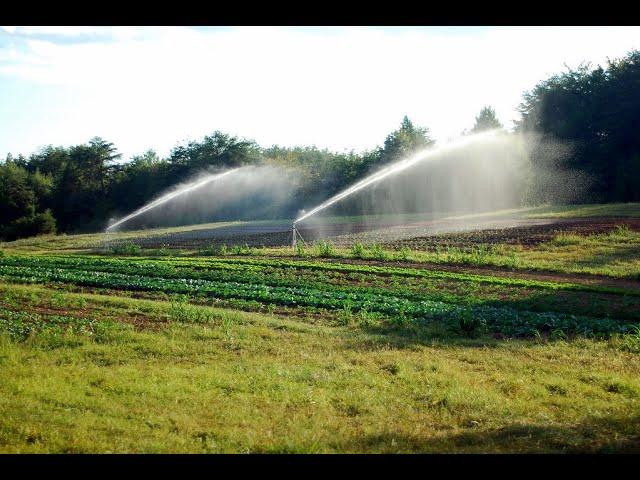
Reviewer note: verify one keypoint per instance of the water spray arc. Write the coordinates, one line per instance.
(396, 167)
(170, 196)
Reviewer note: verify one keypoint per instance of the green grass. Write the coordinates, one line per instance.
(590, 210)
(163, 379)
(615, 254)
(50, 243)
(322, 349)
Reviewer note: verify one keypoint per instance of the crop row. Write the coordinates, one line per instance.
(406, 287)
(418, 272)
(272, 265)
(498, 319)
(215, 272)
(413, 288)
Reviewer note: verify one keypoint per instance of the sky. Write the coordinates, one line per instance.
(341, 88)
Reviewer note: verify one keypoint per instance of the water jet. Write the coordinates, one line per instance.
(398, 167)
(170, 196)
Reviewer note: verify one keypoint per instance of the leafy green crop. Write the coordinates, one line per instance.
(247, 282)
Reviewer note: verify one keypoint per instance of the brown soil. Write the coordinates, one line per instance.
(527, 236)
(423, 235)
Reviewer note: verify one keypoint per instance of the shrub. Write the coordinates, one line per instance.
(357, 250)
(480, 254)
(620, 231)
(182, 311)
(127, 248)
(214, 250)
(300, 250)
(378, 252)
(565, 239)
(346, 314)
(163, 251)
(207, 251)
(325, 249)
(404, 254)
(37, 224)
(367, 318)
(242, 250)
(512, 260)
(557, 334)
(630, 341)
(469, 324)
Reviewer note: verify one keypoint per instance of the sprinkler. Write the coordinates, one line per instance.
(295, 234)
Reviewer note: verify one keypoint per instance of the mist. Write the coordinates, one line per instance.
(245, 193)
(473, 175)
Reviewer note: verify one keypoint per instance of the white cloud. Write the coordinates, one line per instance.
(339, 88)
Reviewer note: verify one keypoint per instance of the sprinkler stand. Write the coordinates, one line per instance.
(295, 235)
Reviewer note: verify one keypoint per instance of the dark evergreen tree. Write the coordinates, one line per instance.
(405, 141)
(486, 120)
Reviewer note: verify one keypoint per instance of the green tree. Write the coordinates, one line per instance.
(20, 196)
(596, 112)
(404, 141)
(16, 193)
(486, 120)
(49, 160)
(139, 180)
(104, 154)
(218, 150)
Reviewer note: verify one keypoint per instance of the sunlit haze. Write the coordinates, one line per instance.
(339, 88)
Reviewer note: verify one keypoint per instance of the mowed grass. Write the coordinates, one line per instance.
(151, 376)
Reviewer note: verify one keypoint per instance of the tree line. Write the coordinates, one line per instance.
(78, 188)
(595, 114)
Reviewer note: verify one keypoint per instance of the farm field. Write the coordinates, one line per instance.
(513, 331)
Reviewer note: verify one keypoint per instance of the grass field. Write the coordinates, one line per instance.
(519, 339)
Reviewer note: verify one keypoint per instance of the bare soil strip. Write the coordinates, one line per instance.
(421, 235)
